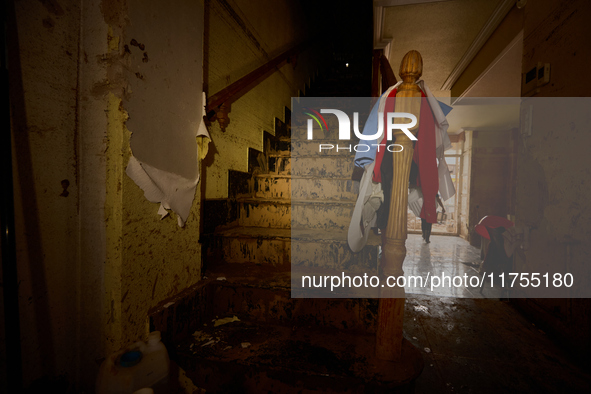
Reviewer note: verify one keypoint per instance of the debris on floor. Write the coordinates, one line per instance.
(225, 320)
(421, 308)
(201, 336)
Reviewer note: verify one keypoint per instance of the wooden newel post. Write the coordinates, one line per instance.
(391, 307)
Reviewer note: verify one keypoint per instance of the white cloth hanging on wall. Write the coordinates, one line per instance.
(171, 190)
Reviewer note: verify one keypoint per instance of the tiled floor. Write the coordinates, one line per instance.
(438, 262)
(476, 345)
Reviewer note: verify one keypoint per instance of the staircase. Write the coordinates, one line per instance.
(293, 209)
(299, 211)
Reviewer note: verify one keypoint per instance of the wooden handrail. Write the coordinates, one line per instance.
(375, 74)
(218, 105)
(388, 77)
(381, 68)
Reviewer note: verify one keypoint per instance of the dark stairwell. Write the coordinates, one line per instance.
(279, 343)
(239, 330)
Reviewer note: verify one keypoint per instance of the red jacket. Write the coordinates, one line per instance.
(423, 156)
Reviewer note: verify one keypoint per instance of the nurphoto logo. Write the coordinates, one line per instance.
(345, 129)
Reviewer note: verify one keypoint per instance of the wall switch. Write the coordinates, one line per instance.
(537, 76)
(543, 71)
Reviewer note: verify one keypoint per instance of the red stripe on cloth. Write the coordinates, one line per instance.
(424, 156)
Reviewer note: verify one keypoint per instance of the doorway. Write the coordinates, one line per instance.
(448, 222)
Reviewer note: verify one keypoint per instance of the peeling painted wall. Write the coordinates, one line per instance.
(149, 259)
(165, 77)
(93, 254)
(241, 36)
(94, 262)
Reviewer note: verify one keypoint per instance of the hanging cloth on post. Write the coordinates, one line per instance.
(357, 238)
(423, 156)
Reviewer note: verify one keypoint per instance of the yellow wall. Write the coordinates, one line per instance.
(452, 26)
(511, 25)
(148, 259)
(91, 264)
(44, 125)
(241, 36)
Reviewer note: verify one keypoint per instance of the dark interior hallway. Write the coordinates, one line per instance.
(255, 338)
(473, 345)
(164, 170)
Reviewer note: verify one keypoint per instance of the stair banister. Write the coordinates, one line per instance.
(218, 105)
(375, 73)
(381, 70)
(391, 306)
(388, 77)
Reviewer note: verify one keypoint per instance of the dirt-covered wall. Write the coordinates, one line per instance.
(43, 51)
(491, 161)
(552, 185)
(158, 67)
(240, 36)
(93, 254)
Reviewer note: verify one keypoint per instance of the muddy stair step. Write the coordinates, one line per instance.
(283, 213)
(256, 293)
(275, 186)
(250, 357)
(284, 247)
(238, 330)
(326, 166)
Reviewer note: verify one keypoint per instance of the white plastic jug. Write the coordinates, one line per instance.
(141, 365)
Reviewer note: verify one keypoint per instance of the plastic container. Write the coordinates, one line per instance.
(142, 365)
